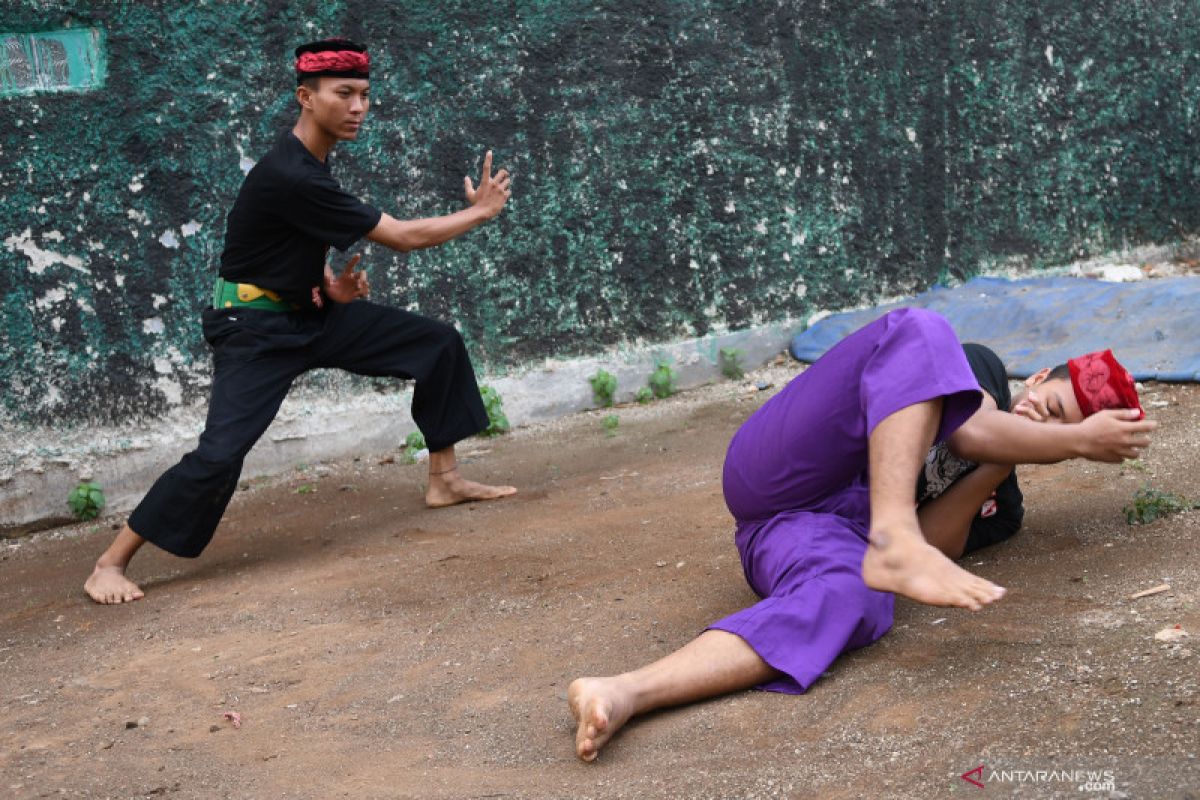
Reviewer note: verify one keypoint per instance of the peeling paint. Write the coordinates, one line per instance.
(51, 297)
(171, 390)
(680, 167)
(40, 259)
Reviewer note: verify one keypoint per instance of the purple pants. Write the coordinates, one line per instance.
(796, 483)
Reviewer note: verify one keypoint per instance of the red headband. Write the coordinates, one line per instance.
(333, 61)
(1101, 382)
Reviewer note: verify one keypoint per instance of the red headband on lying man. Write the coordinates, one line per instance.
(1101, 382)
(337, 57)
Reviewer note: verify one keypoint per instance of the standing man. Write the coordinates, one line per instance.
(279, 310)
(823, 483)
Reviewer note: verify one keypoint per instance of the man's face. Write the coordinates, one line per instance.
(338, 105)
(1047, 400)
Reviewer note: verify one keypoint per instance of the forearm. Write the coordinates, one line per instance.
(997, 437)
(414, 234)
(946, 520)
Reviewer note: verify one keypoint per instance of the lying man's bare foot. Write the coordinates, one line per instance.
(450, 488)
(108, 585)
(900, 561)
(600, 707)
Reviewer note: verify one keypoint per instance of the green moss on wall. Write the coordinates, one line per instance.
(679, 166)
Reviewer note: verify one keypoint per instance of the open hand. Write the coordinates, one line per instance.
(1115, 434)
(344, 287)
(493, 191)
(1033, 407)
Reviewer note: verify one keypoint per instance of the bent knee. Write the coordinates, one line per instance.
(921, 318)
(445, 331)
(446, 336)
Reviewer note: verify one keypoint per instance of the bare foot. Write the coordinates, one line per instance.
(450, 488)
(900, 561)
(108, 585)
(601, 707)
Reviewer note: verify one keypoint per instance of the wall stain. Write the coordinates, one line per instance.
(680, 167)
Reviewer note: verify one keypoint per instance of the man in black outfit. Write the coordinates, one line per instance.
(279, 310)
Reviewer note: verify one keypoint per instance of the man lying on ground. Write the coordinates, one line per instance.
(279, 311)
(820, 481)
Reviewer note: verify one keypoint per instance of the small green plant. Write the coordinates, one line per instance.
(86, 500)
(497, 420)
(308, 488)
(610, 423)
(730, 359)
(644, 395)
(662, 380)
(604, 388)
(1151, 504)
(413, 444)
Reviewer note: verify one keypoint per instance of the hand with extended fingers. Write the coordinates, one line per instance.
(493, 191)
(1115, 434)
(344, 287)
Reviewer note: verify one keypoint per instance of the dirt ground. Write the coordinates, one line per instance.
(377, 649)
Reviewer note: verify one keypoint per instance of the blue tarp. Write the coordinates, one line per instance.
(1152, 326)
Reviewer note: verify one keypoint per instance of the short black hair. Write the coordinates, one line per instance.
(1061, 372)
(322, 45)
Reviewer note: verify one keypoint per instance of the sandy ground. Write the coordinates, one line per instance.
(376, 649)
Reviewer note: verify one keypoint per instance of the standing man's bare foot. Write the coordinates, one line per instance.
(899, 560)
(600, 707)
(108, 585)
(447, 487)
(450, 488)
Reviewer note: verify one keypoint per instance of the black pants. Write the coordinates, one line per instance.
(258, 354)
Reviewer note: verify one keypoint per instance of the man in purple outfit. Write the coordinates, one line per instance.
(820, 481)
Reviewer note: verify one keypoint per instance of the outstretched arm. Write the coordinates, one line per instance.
(993, 436)
(484, 202)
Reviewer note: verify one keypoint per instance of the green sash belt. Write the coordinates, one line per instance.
(247, 295)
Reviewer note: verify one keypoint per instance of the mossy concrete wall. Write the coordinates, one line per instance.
(682, 167)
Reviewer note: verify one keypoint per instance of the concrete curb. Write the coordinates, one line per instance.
(313, 426)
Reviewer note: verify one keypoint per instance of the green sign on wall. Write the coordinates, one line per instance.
(70, 60)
